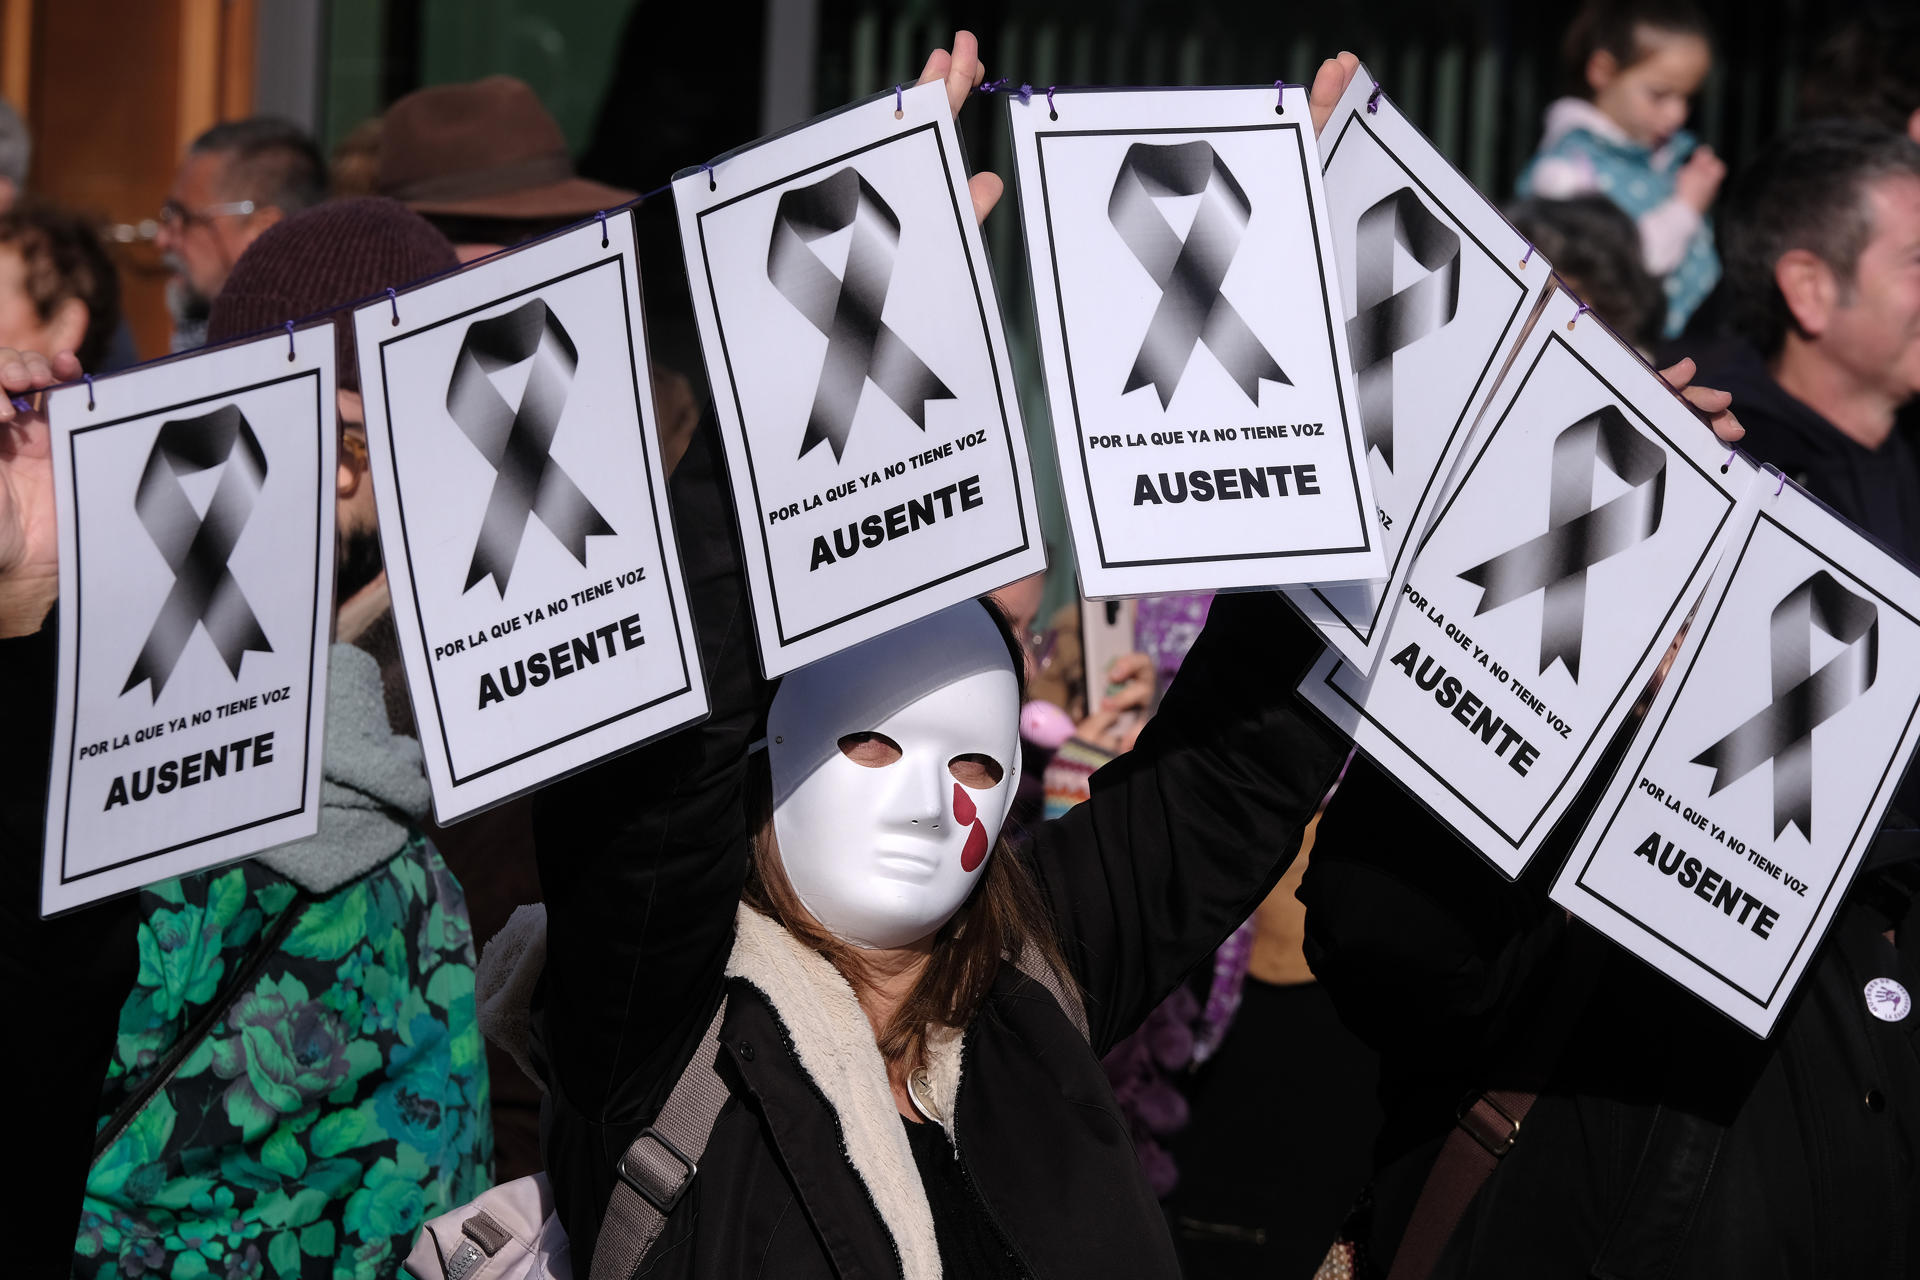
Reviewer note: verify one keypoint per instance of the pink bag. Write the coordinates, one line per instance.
(509, 1233)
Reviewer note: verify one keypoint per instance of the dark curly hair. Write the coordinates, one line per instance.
(64, 260)
(1595, 247)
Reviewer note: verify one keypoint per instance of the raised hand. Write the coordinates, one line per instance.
(1699, 179)
(29, 548)
(1717, 405)
(963, 71)
(1329, 83)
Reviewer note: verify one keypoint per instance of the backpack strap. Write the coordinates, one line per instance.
(1485, 1129)
(661, 1162)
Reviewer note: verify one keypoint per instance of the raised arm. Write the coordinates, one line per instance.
(1184, 836)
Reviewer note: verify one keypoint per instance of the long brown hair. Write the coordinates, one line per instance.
(1003, 918)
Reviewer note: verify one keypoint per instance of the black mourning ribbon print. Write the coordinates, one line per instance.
(1387, 321)
(1803, 699)
(1579, 535)
(518, 440)
(198, 547)
(847, 309)
(1189, 271)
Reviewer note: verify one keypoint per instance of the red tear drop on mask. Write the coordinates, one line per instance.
(965, 811)
(976, 851)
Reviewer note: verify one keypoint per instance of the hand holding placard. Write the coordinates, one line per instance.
(878, 465)
(1585, 519)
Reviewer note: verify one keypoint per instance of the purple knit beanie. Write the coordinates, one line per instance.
(334, 253)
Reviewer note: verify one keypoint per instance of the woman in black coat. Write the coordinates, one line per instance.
(962, 1126)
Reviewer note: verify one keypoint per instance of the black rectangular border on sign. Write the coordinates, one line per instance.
(1499, 348)
(79, 598)
(616, 260)
(739, 412)
(1366, 519)
(1887, 777)
(1666, 625)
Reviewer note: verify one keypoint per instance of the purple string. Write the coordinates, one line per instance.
(1528, 258)
(23, 404)
(657, 191)
(289, 341)
(1579, 311)
(1373, 99)
(1783, 484)
(1728, 464)
(603, 228)
(899, 101)
(89, 379)
(713, 184)
(1051, 113)
(1005, 85)
(1279, 97)
(393, 297)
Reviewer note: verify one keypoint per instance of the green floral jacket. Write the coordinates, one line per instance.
(333, 1090)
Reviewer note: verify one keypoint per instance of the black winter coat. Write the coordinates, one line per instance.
(642, 861)
(1666, 1140)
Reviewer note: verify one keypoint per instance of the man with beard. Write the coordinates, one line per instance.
(238, 179)
(275, 1061)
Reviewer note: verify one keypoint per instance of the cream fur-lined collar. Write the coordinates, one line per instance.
(835, 1044)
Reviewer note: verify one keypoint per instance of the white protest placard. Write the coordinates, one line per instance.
(195, 502)
(860, 375)
(523, 516)
(1438, 290)
(1727, 839)
(1589, 511)
(1190, 328)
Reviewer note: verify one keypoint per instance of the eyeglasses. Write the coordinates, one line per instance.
(175, 214)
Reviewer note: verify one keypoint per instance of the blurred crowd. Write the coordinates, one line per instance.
(1290, 1094)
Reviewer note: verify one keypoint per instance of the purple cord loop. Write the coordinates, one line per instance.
(289, 340)
(393, 297)
(899, 105)
(23, 404)
(1579, 311)
(89, 380)
(713, 183)
(1529, 256)
(1279, 97)
(1005, 85)
(1728, 464)
(1373, 99)
(1052, 113)
(1783, 484)
(602, 215)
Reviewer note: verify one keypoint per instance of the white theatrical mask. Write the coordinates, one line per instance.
(884, 854)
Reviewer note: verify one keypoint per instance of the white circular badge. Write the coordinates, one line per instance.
(1887, 1000)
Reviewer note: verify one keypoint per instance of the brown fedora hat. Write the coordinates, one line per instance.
(488, 149)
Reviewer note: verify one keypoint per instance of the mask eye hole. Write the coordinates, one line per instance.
(976, 771)
(870, 750)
